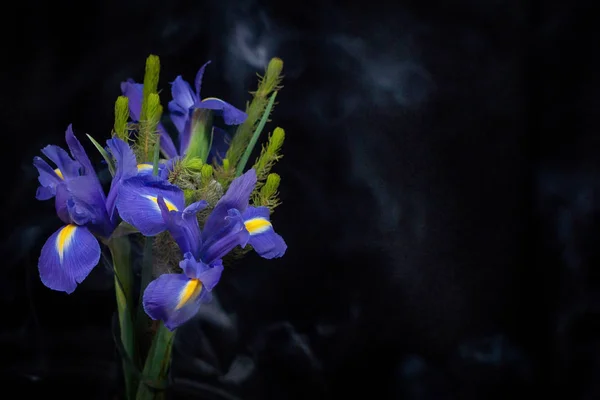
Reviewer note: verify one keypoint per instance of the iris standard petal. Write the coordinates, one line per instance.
(137, 202)
(134, 92)
(79, 153)
(209, 275)
(126, 168)
(67, 258)
(237, 197)
(226, 239)
(174, 299)
(198, 80)
(231, 115)
(48, 179)
(263, 238)
(87, 205)
(60, 203)
(182, 94)
(66, 166)
(183, 226)
(179, 117)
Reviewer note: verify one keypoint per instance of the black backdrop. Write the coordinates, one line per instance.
(438, 192)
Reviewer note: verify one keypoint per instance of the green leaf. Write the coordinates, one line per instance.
(157, 364)
(263, 121)
(107, 158)
(120, 249)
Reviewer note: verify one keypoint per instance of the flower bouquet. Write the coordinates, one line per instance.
(172, 218)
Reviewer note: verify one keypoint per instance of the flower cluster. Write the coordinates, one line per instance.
(169, 194)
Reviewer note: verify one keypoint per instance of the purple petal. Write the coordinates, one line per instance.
(237, 197)
(79, 153)
(174, 299)
(67, 167)
(211, 276)
(137, 202)
(183, 226)
(182, 93)
(178, 118)
(67, 258)
(220, 144)
(126, 168)
(230, 114)
(198, 80)
(134, 92)
(185, 135)
(60, 203)
(226, 239)
(166, 143)
(263, 238)
(48, 179)
(87, 205)
(208, 274)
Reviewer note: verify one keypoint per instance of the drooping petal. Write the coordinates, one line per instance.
(198, 80)
(174, 299)
(220, 144)
(236, 197)
(263, 238)
(182, 93)
(137, 202)
(87, 205)
(67, 258)
(135, 92)
(66, 166)
(48, 179)
(183, 225)
(230, 114)
(232, 234)
(126, 168)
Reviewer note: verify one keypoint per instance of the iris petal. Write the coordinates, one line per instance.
(263, 238)
(67, 258)
(126, 168)
(66, 166)
(208, 274)
(183, 226)
(48, 179)
(87, 204)
(198, 80)
(236, 197)
(231, 115)
(182, 94)
(174, 299)
(226, 239)
(137, 202)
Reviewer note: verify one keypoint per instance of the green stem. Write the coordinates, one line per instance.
(156, 369)
(261, 125)
(120, 250)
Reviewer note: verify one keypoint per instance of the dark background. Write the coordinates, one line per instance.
(439, 197)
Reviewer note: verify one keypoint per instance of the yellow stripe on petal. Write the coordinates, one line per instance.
(257, 225)
(60, 175)
(190, 292)
(170, 206)
(144, 167)
(212, 98)
(64, 238)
